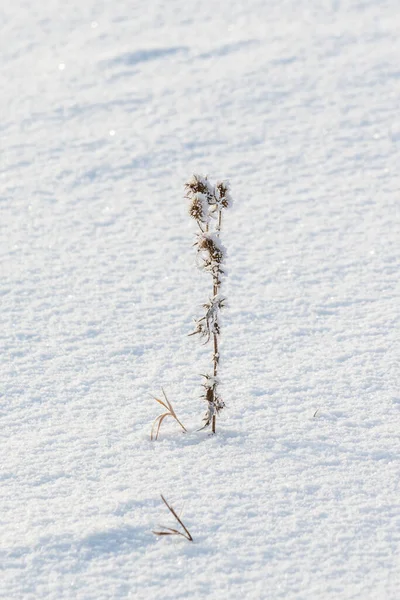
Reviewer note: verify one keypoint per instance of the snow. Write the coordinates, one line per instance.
(107, 109)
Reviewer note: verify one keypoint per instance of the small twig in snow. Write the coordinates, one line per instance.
(169, 530)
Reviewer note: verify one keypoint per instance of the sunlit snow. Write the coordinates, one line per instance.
(107, 109)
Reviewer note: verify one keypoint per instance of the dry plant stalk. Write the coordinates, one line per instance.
(206, 203)
(169, 530)
(170, 413)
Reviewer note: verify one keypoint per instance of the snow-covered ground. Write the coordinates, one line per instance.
(106, 109)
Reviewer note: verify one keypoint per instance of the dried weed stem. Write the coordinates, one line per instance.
(206, 202)
(169, 530)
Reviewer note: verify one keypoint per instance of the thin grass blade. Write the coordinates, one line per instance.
(159, 423)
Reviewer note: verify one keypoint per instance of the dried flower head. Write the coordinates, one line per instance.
(222, 194)
(211, 244)
(200, 184)
(198, 208)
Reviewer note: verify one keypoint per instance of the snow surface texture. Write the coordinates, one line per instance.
(106, 109)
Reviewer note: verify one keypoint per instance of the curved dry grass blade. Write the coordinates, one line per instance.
(152, 429)
(171, 412)
(162, 417)
(160, 402)
(158, 420)
(188, 536)
(167, 401)
(169, 531)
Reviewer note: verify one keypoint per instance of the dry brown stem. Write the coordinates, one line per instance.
(169, 530)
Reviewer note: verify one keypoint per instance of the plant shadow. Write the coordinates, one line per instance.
(116, 541)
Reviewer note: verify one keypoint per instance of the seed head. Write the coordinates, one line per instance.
(211, 244)
(198, 208)
(222, 194)
(197, 183)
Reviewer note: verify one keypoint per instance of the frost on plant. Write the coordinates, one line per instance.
(206, 205)
(209, 324)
